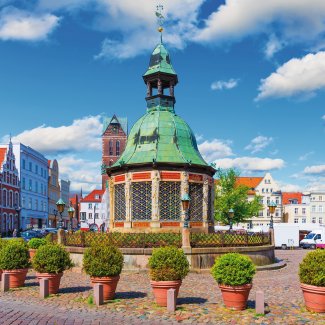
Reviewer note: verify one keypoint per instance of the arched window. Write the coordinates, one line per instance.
(110, 147)
(10, 198)
(4, 198)
(117, 148)
(16, 199)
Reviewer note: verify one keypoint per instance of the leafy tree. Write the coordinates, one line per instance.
(229, 195)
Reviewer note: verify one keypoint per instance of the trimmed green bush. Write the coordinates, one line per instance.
(35, 243)
(312, 268)
(14, 255)
(101, 260)
(233, 269)
(168, 264)
(51, 258)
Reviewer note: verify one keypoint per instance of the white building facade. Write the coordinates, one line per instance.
(33, 175)
(317, 207)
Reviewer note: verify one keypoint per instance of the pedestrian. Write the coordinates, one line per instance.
(14, 234)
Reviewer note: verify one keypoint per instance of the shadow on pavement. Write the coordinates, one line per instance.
(191, 300)
(130, 294)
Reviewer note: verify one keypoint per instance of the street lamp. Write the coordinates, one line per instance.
(70, 213)
(271, 207)
(60, 205)
(231, 214)
(186, 206)
(18, 208)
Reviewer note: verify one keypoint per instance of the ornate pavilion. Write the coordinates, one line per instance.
(160, 164)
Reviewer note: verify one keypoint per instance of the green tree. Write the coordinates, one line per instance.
(229, 195)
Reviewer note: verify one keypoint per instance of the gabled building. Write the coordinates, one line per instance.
(93, 212)
(317, 207)
(114, 137)
(295, 208)
(9, 190)
(269, 191)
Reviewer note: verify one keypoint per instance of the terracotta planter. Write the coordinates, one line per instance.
(32, 252)
(160, 289)
(314, 297)
(235, 297)
(16, 277)
(109, 285)
(54, 281)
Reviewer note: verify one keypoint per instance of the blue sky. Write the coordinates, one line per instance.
(251, 80)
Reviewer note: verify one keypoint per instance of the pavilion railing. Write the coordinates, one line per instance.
(153, 240)
(229, 239)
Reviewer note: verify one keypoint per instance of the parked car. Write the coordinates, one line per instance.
(317, 236)
(29, 234)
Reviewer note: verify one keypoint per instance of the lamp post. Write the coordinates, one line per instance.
(70, 213)
(186, 243)
(231, 214)
(18, 208)
(271, 207)
(186, 206)
(55, 213)
(60, 205)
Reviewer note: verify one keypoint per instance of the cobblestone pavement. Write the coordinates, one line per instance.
(199, 301)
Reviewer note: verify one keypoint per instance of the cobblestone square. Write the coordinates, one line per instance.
(199, 301)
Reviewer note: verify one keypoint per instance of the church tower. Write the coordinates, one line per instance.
(114, 137)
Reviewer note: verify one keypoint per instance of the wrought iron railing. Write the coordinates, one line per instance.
(229, 239)
(123, 240)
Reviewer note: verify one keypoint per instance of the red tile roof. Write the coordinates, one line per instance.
(49, 163)
(287, 196)
(73, 200)
(250, 182)
(91, 196)
(3, 152)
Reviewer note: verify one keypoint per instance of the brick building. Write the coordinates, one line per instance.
(114, 137)
(9, 190)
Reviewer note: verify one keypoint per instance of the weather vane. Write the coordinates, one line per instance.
(161, 19)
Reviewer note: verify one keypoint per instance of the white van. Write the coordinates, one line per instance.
(315, 237)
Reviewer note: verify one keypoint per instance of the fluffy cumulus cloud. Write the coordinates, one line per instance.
(250, 164)
(315, 170)
(299, 20)
(82, 173)
(220, 85)
(215, 149)
(295, 77)
(286, 187)
(22, 25)
(82, 134)
(259, 143)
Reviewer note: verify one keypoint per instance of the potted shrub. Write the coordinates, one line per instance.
(34, 244)
(14, 260)
(49, 262)
(312, 280)
(104, 265)
(234, 274)
(168, 267)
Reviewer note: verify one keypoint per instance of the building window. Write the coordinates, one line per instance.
(296, 210)
(119, 202)
(23, 202)
(277, 213)
(90, 205)
(313, 220)
(268, 201)
(262, 190)
(23, 183)
(320, 220)
(303, 210)
(295, 220)
(170, 200)
(196, 206)
(320, 208)
(260, 213)
(24, 164)
(30, 166)
(30, 185)
(313, 208)
(96, 216)
(29, 203)
(110, 147)
(268, 212)
(90, 215)
(117, 148)
(320, 198)
(36, 169)
(141, 200)
(83, 216)
(277, 200)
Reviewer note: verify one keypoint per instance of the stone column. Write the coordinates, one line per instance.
(149, 90)
(171, 88)
(155, 176)
(111, 202)
(128, 216)
(159, 86)
(185, 188)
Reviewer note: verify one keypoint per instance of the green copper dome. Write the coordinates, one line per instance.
(160, 136)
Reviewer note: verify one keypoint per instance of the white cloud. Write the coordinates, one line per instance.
(220, 85)
(316, 184)
(212, 150)
(273, 46)
(297, 20)
(82, 134)
(297, 76)
(82, 173)
(306, 155)
(250, 164)
(17, 24)
(323, 117)
(259, 143)
(286, 187)
(315, 170)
